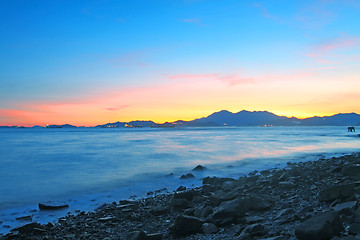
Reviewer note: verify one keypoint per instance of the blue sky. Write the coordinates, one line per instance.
(96, 54)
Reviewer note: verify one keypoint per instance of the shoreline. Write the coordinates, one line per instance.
(305, 200)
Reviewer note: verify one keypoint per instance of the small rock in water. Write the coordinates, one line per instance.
(181, 188)
(199, 168)
(52, 205)
(187, 176)
(25, 218)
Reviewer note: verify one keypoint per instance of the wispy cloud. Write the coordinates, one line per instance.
(323, 51)
(231, 80)
(266, 13)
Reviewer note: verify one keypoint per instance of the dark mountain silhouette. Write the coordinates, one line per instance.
(261, 118)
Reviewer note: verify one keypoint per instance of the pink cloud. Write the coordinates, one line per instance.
(229, 79)
(323, 51)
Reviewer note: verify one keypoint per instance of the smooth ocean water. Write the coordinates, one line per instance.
(89, 166)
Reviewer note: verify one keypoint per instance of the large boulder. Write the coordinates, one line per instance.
(239, 206)
(186, 225)
(320, 227)
(335, 192)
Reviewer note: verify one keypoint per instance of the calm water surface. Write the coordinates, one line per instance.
(89, 166)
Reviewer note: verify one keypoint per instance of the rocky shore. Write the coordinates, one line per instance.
(309, 200)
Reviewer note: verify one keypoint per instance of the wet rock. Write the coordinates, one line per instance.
(52, 205)
(203, 212)
(187, 176)
(186, 225)
(320, 227)
(354, 229)
(346, 205)
(199, 168)
(254, 230)
(340, 191)
(238, 207)
(25, 218)
(29, 227)
(352, 170)
(154, 236)
(158, 210)
(136, 235)
(216, 180)
(209, 228)
(181, 188)
(177, 204)
(188, 195)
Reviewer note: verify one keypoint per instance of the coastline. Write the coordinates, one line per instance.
(305, 200)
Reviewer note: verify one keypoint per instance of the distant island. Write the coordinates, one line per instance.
(226, 118)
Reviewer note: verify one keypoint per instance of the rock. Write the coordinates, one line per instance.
(216, 180)
(107, 218)
(154, 236)
(176, 203)
(188, 195)
(352, 170)
(29, 227)
(136, 235)
(340, 191)
(346, 205)
(354, 229)
(238, 207)
(187, 176)
(199, 168)
(209, 228)
(320, 227)
(287, 185)
(158, 210)
(181, 188)
(52, 205)
(254, 230)
(203, 212)
(186, 225)
(25, 218)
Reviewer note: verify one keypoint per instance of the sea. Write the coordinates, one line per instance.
(87, 167)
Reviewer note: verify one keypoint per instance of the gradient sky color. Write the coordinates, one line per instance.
(93, 62)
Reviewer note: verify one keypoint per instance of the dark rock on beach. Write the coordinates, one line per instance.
(305, 200)
(52, 205)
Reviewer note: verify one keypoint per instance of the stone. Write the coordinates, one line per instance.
(354, 229)
(187, 176)
(209, 228)
(188, 195)
(136, 235)
(176, 203)
(286, 185)
(203, 212)
(254, 230)
(181, 188)
(320, 227)
(52, 205)
(345, 205)
(158, 210)
(154, 236)
(29, 227)
(352, 170)
(186, 225)
(25, 218)
(238, 207)
(199, 168)
(340, 191)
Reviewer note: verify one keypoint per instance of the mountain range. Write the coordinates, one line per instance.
(247, 118)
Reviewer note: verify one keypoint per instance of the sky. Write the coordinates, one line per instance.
(92, 62)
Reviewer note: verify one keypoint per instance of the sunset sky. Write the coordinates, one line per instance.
(93, 62)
